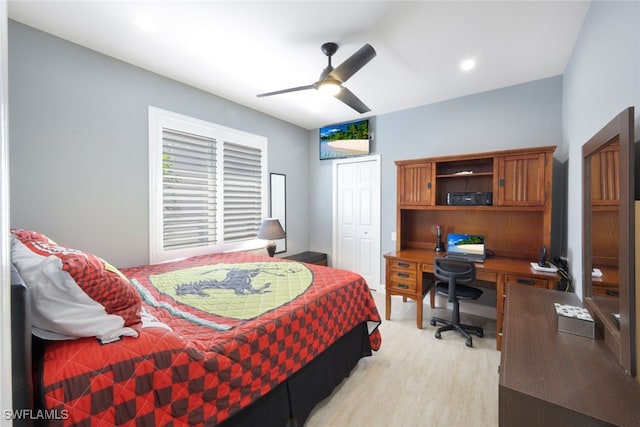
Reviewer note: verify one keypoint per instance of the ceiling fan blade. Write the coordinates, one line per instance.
(346, 96)
(352, 64)
(293, 89)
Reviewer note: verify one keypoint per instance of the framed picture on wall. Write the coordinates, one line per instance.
(345, 140)
(278, 204)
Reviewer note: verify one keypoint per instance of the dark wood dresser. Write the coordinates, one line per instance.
(551, 378)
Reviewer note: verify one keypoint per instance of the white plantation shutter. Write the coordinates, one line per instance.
(189, 190)
(242, 192)
(207, 187)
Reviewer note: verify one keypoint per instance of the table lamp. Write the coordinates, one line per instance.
(271, 230)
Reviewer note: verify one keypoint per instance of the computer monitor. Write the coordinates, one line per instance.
(465, 245)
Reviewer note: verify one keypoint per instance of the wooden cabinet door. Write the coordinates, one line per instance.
(521, 180)
(605, 184)
(414, 185)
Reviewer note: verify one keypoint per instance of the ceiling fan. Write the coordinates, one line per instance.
(331, 79)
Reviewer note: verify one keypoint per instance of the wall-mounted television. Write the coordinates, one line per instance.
(345, 140)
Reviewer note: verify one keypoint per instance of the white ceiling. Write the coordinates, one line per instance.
(238, 49)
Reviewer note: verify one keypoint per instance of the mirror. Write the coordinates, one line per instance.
(278, 205)
(608, 230)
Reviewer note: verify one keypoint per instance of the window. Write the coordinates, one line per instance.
(207, 186)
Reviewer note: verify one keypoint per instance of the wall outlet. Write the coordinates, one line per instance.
(393, 236)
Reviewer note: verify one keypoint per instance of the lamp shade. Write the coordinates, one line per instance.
(271, 230)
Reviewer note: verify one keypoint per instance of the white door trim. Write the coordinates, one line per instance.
(372, 158)
(6, 397)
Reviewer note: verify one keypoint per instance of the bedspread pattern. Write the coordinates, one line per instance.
(195, 374)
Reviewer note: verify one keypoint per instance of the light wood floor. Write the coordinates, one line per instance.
(416, 379)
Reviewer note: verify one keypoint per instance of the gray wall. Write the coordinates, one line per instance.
(75, 114)
(601, 79)
(78, 146)
(525, 115)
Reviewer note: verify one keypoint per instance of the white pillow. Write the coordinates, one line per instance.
(75, 294)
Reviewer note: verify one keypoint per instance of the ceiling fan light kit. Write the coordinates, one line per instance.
(331, 79)
(329, 86)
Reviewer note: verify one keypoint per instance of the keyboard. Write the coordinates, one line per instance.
(471, 258)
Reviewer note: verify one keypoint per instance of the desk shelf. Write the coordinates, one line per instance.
(519, 180)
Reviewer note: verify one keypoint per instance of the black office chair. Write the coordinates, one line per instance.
(455, 273)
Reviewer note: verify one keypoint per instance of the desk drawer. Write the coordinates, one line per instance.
(486, 276)
(598, 290)
(398, 264)
(403, 275)
(510, 279)
(525, 280)
(403, 284)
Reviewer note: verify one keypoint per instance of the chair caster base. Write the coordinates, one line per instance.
(463, 330)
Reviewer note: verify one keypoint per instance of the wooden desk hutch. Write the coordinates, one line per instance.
(516, 224)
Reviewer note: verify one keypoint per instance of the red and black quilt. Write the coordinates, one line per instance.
(219, 331)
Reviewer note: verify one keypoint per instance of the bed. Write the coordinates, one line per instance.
(232, 339)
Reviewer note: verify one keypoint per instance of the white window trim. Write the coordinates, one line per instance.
(159, 119)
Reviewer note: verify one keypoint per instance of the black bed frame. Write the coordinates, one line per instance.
(287, 405)
(21, 371)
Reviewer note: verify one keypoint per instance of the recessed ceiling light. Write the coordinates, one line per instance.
(467, 64)
(144, 23)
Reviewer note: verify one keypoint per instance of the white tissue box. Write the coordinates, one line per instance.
(575, 320)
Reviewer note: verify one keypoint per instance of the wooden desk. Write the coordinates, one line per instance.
(551, 378)
(405, 276)
(607, 284)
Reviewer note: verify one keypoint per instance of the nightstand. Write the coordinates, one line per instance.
(309, 257)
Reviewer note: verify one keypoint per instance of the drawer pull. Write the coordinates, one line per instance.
(526, 281)
(403, 286)
(613, 293)
(403, 264)
(405, 275)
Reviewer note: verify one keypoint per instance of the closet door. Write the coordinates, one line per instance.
(357, 231)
